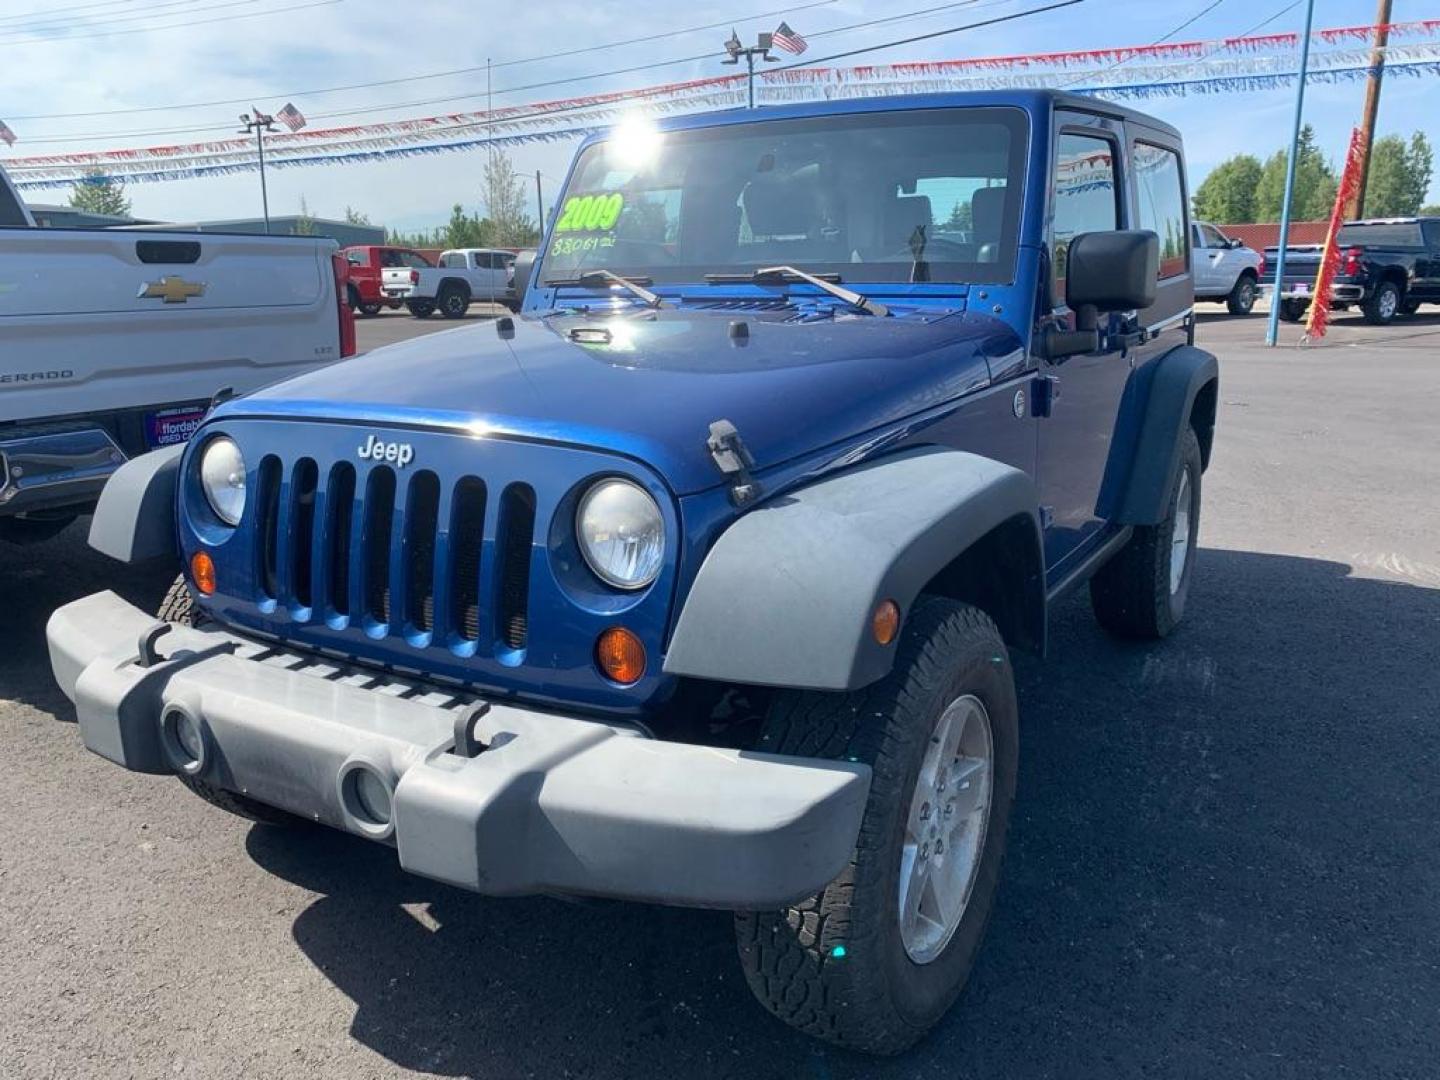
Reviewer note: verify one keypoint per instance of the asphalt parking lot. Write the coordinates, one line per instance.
(1223, 862)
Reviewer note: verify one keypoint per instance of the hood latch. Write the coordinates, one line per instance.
(733, 458)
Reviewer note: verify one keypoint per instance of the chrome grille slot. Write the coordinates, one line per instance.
(517, 534)
(267, 525)
(467, 534)
(303, 482)
(375, 542)
(339, 511)
(421, 517)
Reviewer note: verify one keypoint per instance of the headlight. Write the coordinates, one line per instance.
(621, 533)
(222, 476)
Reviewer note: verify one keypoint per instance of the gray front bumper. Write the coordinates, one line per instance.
(551, 804)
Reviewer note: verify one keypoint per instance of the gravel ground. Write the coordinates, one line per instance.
(1223, 860)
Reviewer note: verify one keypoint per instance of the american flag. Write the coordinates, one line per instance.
(6, 135)
(291, 117)
(789, 40)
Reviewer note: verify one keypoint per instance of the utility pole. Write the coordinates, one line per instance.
(260, 123)
(734, 51)
(1356, 206)
(1273, 332)
(539, 204)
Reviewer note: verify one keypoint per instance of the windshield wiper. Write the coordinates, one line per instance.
(824, 282)
(593, 279)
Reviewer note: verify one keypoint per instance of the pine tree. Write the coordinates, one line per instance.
(1315, 184)
(100, 194)
(304, 221)
(505, 203)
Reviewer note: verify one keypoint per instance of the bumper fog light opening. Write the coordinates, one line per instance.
(183, 739)
(367, 798)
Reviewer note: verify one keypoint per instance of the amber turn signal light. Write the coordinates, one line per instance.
(202, 572)
(885, 623)
(620, 656)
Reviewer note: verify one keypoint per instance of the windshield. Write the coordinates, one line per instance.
(1381, 234)
(861, 196)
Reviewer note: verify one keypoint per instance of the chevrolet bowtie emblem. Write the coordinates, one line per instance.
(173, 290)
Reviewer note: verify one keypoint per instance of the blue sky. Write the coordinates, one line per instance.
(182, 51)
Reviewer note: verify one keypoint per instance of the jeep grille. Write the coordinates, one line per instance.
(371, 539)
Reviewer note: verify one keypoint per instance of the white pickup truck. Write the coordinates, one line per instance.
(463, 276)
(115, 341)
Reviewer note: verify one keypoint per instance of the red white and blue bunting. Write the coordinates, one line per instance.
(1171, 69)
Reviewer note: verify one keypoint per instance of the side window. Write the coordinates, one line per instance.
(1213, 237)
(1161, 191)
(412, 260)
(455, 260)
(1432, 235)
(1084, 195)
(358, 257)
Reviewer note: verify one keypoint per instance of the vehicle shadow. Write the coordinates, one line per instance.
(1222, 862)
(30, 589)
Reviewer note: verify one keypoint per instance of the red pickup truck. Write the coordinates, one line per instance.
(366, 263)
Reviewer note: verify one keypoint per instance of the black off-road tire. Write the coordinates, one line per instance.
(1131, 594)
(370, 310)
(834, 965)
(1384, 304)
(1293, 310)
(454, 301)
(179, 607)
(1241, 300)
(421, 309)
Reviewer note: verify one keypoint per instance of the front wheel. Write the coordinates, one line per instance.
(421, 309)
(1242, 297)
(875, 960)
(1141, 592)
(1384, 305)
(1293, 310)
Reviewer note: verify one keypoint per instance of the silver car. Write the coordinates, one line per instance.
(1225, 270)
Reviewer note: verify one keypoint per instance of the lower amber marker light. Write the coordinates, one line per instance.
(620, 655)
(202, 572)
(885, 623)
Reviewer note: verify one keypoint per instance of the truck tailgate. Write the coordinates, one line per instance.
(113, 319)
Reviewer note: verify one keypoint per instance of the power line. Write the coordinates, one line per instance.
(644, 91)
(181, 25)
(48, 24)
(390, 106)
(20, 17)
(503, 64)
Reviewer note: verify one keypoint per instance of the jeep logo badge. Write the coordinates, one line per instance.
(376, 449)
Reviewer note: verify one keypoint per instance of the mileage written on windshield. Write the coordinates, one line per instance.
(592, 217)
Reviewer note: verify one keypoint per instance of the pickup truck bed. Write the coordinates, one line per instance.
(113, 342)
(1387, 268)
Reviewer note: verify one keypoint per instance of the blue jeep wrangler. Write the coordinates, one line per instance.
(696, 583)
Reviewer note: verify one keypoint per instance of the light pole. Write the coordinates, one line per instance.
(1272, 333)
(260, 123)
(734, 51)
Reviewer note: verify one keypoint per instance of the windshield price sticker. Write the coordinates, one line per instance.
(590, 213)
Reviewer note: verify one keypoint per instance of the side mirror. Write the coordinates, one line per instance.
(1112, 271)
(1104, 271)
(1235, 243)
(524, 264)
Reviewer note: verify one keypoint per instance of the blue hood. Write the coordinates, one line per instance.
(651, 392)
